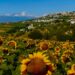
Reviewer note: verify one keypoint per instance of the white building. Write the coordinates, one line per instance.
(72, 22)
(31, 26)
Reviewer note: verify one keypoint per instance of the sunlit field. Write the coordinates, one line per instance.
(26, 56)
(37, 37)
(36, 51)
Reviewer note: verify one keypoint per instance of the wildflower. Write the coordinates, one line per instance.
(12, 44)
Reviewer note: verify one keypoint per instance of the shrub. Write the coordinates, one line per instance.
(35, 34)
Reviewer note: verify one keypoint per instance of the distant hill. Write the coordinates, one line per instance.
(67, 16)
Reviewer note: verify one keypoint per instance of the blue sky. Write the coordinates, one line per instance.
(36, 7)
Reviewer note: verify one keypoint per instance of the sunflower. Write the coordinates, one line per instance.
(37, 64)
(68, 52)
(44, 45)
(72, 70)
(56, 56)
(5, 50)
(66, 56)
(12, 44)
(65, 45)
(53, 56)
(57, 49)
(73, 67)
(71, 46)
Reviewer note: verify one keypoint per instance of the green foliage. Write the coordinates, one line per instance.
(35, 34)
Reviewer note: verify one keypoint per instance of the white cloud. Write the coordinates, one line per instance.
(21, 14)
(18, 14)
(7, 14)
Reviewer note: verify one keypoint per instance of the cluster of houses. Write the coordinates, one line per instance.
(53, 17)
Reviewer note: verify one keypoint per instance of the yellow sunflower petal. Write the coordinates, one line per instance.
(24, 61)
(39, 55)
(34, 55)
(73, 67)
(30, 56)
(69, 72)
(46, 60)
(49, 73)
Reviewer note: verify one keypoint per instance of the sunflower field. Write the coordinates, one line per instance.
(43, 50)
(25, 56)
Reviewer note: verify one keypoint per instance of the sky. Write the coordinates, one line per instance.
(36, 7)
